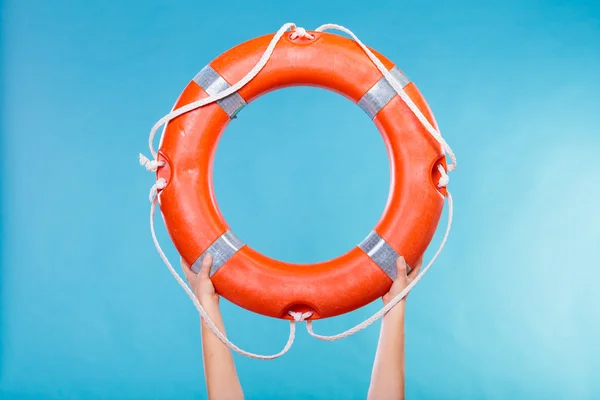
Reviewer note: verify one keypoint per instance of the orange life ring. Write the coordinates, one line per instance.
(259, 283)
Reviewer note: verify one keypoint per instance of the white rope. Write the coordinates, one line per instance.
(153, 165)
(150, 165)
(444, 178)
(159, 185)
(398, 88)
(396, 299)
(298, 32)
(298, 317)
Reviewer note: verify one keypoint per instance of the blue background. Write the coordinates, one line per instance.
(510, 311)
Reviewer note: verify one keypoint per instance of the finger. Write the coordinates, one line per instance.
(205, 267)
(401, 267)
(187, 271)
(415, 271)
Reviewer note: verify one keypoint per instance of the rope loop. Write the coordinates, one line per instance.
(204, 315)
(398, 88)
(379, 314)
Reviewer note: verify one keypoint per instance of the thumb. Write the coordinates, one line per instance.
(205, 267)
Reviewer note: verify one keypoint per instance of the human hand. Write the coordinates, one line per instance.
(200, 283)
(403, 279)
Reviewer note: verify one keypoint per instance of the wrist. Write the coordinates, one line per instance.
(209, 302)
(396, 313)
(211, 307)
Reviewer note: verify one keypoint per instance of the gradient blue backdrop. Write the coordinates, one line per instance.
(510, 311)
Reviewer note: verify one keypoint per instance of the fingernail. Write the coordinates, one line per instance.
(208, 257)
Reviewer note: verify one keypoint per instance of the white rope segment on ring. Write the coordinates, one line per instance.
(154, 164)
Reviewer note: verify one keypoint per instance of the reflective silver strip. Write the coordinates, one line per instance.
(212, 83)
(381, 93)
(221, 251)
(382, 254)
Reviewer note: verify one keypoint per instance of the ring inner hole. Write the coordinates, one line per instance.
(302, 175)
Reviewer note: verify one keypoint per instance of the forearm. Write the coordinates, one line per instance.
(222, 381)
(387, 379)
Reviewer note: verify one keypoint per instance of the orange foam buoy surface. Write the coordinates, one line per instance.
(241, 274)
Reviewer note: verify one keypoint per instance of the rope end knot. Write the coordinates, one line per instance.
(159, 185)
(150, 165)
(299, 32)
(299, 317)
(444, 178)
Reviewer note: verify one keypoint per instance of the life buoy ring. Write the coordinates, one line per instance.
(255, 281)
